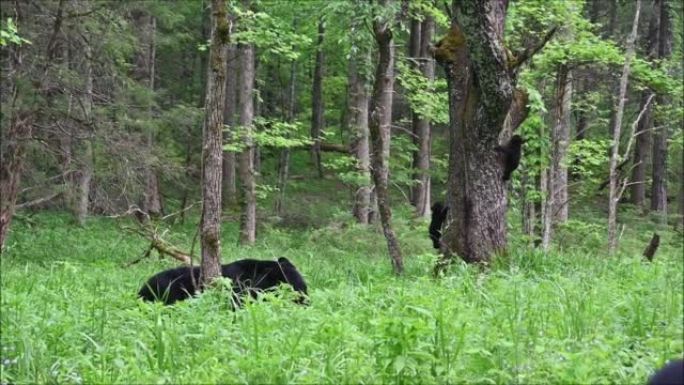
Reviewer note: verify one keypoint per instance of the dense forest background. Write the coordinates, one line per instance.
(325, 131)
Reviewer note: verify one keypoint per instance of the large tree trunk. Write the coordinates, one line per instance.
(317, 120)
(643, 139)
(229, 181)
(614, 194)
(480, 93)
(379, 124)
(211, 148)
(420, 196)
(659, 186)
(358, 121)
(246, 158)
(560, 141)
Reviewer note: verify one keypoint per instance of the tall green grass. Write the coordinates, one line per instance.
(70, 312)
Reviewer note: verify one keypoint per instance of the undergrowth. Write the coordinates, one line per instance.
(575, 315)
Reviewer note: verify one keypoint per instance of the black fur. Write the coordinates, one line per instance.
(511, 155)
(439, 213)
(248, 276)
(670, 374)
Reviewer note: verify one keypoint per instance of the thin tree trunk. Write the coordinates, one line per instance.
(560, 141)
(528, 207)
(421, 128)
(615, 153)
(379, 124)
(642, 145)
(212, 153)
(85, 148)
(152, 204)
(613, 7)
(643, 139)
(246, 158)
(546, 212)
(256, 148)
(659, 186)
(413, 54)
(358, 120)
(317, 119)
(284, 159)
(229, 181)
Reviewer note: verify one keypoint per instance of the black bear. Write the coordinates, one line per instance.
(439, 213)
(249, 276)
(511, 155)
(670, 374)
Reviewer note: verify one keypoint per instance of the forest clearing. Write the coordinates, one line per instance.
(383, 191)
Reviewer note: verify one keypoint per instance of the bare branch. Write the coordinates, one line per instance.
(633, 133)
(525, 55)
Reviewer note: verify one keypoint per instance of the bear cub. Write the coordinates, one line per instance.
(511, 155)
(248, 276)
(439, 213)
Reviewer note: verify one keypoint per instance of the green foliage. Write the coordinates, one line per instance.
(279, 134)
(269, 133)
(419, 9)
(588, 158)
(271, 34)
(10, 34)
(428, 99)
(345, 168)
(401, 160)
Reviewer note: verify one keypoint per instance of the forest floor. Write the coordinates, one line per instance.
(575, 315)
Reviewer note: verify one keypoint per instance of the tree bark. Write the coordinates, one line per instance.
(643, 139)
(229, 181)
(246, 158)
(317, 117)
(358, 121)
(211, 147)
(420, 196)
(379, 124)
(560, 141)
(617, 127)
(480, 91)
(659, 186)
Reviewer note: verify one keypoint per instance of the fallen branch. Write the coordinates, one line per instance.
(39, 200)
(146, 230)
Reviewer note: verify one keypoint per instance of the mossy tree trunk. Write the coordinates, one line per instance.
(481, 79)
